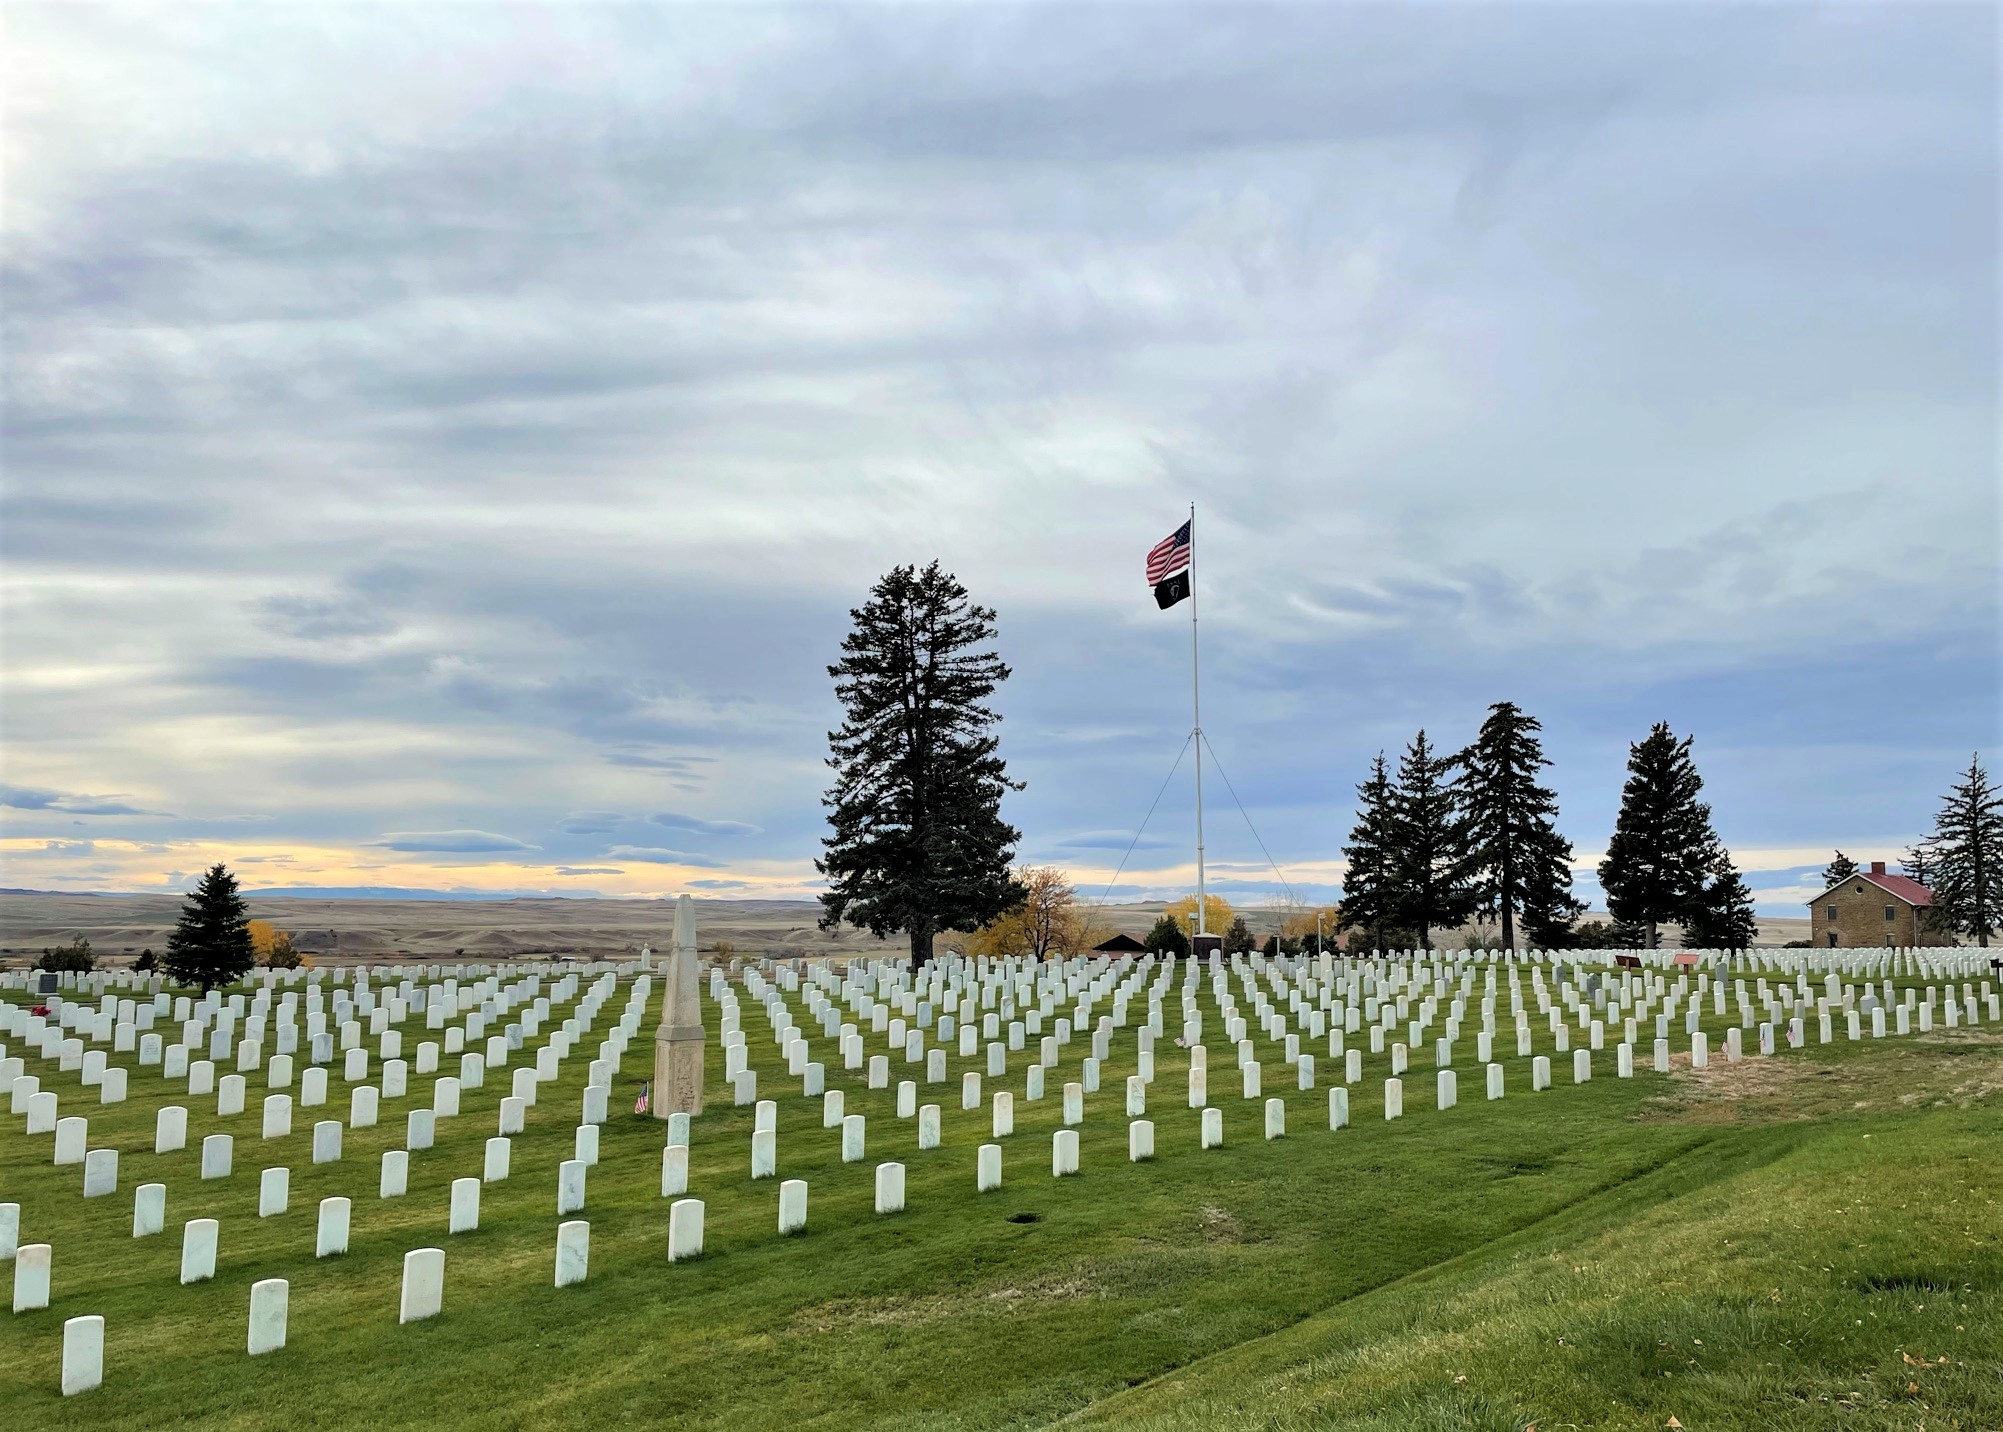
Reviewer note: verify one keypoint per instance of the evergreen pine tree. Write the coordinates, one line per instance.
(1368, 885)
(916, 840)
(1661, 854)
(1167, 938)
(1917, 865)
(1838, 870)
(210, 944)
(1519, 862)
(1967, 856)
(1238, 939)
(1721, 916)
(1429, 860)
(1634, 935)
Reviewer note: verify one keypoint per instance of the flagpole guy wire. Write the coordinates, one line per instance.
(1284, 884)
(1121, 868)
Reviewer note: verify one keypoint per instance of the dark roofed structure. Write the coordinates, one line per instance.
(1120, 945)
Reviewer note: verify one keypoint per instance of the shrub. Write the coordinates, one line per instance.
(76, 957)
(1167, 938)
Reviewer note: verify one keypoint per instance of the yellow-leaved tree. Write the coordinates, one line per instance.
(1216, 914)
(272, 947)
(1299, 923)
(1046, 922)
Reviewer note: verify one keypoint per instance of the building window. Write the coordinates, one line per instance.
(1891, 913)
(1832, 912)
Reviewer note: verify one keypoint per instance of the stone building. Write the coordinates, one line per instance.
(1872, 910)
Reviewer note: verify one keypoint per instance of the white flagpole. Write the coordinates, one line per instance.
(1196, 725)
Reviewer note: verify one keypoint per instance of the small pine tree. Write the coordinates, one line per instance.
(1838, 870)
(210, 944)
(1519, 861)
(916, 841)
(1167, 938)
(1967, 856)
(1429, 857)
(1721, 916)
(1238, 939)
(1661, 853)
(1368, 886)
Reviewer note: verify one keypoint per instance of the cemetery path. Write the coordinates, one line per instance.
(1706, 1160)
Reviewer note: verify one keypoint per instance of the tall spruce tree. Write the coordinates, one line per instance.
(1430, 867)
(1662, 852)
(1967, 856)
(1721, 915)
(1917, 865)
(1838, 870)
(1518, 861)
(916, 841)
(210, 944)
(1369, 885)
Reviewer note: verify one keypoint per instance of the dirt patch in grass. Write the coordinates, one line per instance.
(926, 1309)
(1797, 1085)
(1218, 1225)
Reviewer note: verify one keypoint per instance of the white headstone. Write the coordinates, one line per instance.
(395, 1180)
(1140, 1140)
(674, 1170)
(198, 1249)
(31, 1277)
(464, 1214)
(890, 1188)
(274, 1192)
(217, 1153)
(793, 1205)
(573, 1252)
(988, 1168)
(149, 1209)
(685, 1229)
(494, 1166)
(423, 1285)
(569, 1187)
(1064, 1153)
(83, 1354)
(270, 1301)
(332, 1236)
(100, 1173)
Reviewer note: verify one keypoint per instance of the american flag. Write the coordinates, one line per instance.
(640, 1104)
(1169, 556)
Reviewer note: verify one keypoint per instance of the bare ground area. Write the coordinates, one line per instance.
(1756, 1090)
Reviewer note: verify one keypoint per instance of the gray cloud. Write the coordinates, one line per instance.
(674, 820)
(588, 870)
(29, 798)
(454, 842)
(591, 822)
(653, 855)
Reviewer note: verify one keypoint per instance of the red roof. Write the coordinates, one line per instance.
(1903, 886)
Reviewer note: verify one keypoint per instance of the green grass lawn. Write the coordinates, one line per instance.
(1809, 1241)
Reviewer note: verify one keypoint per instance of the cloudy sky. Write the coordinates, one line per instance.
(442, 444)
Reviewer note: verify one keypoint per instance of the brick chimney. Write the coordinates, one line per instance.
(1877, 867)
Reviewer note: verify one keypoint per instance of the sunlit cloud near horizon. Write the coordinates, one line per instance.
(442, 445)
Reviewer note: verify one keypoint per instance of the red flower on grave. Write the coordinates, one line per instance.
(41, 1009)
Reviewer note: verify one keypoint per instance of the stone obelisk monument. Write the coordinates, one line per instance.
(678, 1043)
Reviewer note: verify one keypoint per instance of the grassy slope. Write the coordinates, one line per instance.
(1333, 1278)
